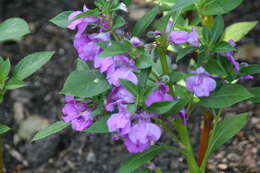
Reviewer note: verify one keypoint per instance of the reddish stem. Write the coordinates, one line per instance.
(206, 126)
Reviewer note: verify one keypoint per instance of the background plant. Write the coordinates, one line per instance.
(12, 78)
(212, 51)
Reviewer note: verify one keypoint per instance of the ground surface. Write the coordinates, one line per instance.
(70, 152)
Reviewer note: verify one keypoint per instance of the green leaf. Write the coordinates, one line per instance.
(143, 78)
(131, 108)
(185, 51)
(145, 61)
(181, 103)
(142, 171)
(224, 47)
(4, 71)
(249, 70)
(129, 86)
(14, 83)
(82, 65)
(177, 76)
(13, 28)
(145, 21)
(127, 2)
(217, 29)
(115, 49)
(85, 83)
(53, 128)
(1, 59)
(215, 67)
(31, 63)
(91, 12)
(162, 107)
(256, 92)
(226, 96)
(4, 129)
(61, 19)
(225, 130)
(119, 21)
(180, 4)
(238, 30)
(137, 160)
(217, 7)
(100, 126)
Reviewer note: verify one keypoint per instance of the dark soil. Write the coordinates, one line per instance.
(71, 152)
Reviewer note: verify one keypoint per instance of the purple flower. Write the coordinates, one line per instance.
(201, 84)
(160, 94)
(230, 56)
(82, 122)
(144, 133)
(119, 96)
(81, 23)
(135, 147)
(119, 122)
(77, 113)
(73, 110)
(179, 37)
(183, 115)
(86, 45)
(103, 63)
(246, 77)
(136, 42)
(121, 73)
(193, 38)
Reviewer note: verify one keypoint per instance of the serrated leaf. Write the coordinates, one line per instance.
(223, 47)
(180, 4)
(4, 71)
(115, 49)
(226, 96)
(14, 83)
(4, 129)
(85, 83)
(129, 86)
(137, 160)
(31, 63)
(225, 130)
(13, 28)
(91, 12)
(183, 52)
(238, 30)
(256, 93)
(82, 65)
(162, 107)
(100, 126)
(53, 128)
(177, 76)
(145, 21)
(119, 22)
(217, 29)
(217, 7)
(61, 19)
(249, 70)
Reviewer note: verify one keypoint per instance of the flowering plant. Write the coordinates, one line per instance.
(132, 87)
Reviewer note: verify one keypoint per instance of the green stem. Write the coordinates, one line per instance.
(166, 71)
(184, 137)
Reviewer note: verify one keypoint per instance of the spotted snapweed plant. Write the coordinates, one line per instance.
(127, 81)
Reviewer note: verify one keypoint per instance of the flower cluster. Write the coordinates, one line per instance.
(136, 129)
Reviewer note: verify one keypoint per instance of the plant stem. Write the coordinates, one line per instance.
(166, 71)
(206, 127)
(184, 136)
